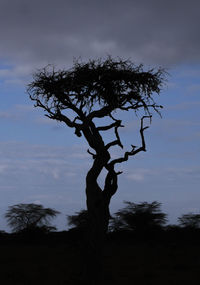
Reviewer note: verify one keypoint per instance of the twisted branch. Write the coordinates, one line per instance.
(134, 151)
(92, 154)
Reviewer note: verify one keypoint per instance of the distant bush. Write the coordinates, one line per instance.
(190, 220)
(30, 218)
(79, 220)
(140, 217)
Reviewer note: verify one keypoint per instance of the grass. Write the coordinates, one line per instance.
(140, 263)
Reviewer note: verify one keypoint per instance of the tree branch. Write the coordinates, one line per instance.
(105, 111)
(113, 143)
(105, 128)
(92, 154)
(60, 117)
(138, 105)
(116, 125)
(133, 151)
(117, 141)
(117, 135)
(110, 186)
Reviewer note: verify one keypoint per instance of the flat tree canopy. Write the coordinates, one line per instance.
(29, 216)
(139, 217)
(190, 220)
(79, 220)
(95, 89)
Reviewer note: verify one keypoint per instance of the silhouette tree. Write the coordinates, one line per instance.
(78, 231)
(82, 97)
(79, 220)
(141, 217)
(190, 220)
(28, 217)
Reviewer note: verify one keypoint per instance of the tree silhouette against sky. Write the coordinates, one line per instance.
(190, 221)
(83, 96)
(29, 217)
(141, 217)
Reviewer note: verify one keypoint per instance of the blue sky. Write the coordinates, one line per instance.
(43, 161)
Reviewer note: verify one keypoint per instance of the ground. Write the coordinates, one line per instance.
(138, 263)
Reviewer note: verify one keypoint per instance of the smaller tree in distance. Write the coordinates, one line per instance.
(29, 217)
(79, 220)
(190, 220)
(139, 217)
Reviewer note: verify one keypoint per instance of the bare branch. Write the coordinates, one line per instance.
(63, 118)
(117, 135)
(92, 154)
(133, 151)
(142, 129)
(116, 120)
(117, 141)
(60, 117)
(76, 118)
(105, 128)
(103, 112)
(137, 106)
(113, 143)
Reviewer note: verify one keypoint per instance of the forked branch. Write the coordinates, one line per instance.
(134, 151)
(60, 117)
(92, 154)
(116, 125)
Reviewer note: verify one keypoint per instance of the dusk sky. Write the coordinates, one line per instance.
(42, 161)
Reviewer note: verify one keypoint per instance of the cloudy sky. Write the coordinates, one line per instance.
(42, 161)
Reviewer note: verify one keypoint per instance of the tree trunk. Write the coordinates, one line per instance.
(95, 236)
(98, 211)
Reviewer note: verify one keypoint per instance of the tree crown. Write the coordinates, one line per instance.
(115, 84)
(79, 220)
(95, 90)
(190, 220)
(28, 216)
(139, 216)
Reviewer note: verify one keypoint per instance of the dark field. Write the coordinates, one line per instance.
(124, 263)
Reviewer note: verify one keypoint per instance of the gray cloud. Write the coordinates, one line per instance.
(154, 32)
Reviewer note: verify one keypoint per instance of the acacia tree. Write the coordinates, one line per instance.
(96, 90)
(29, 217)
(140, 217)
(79, 220)
(190, 221)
